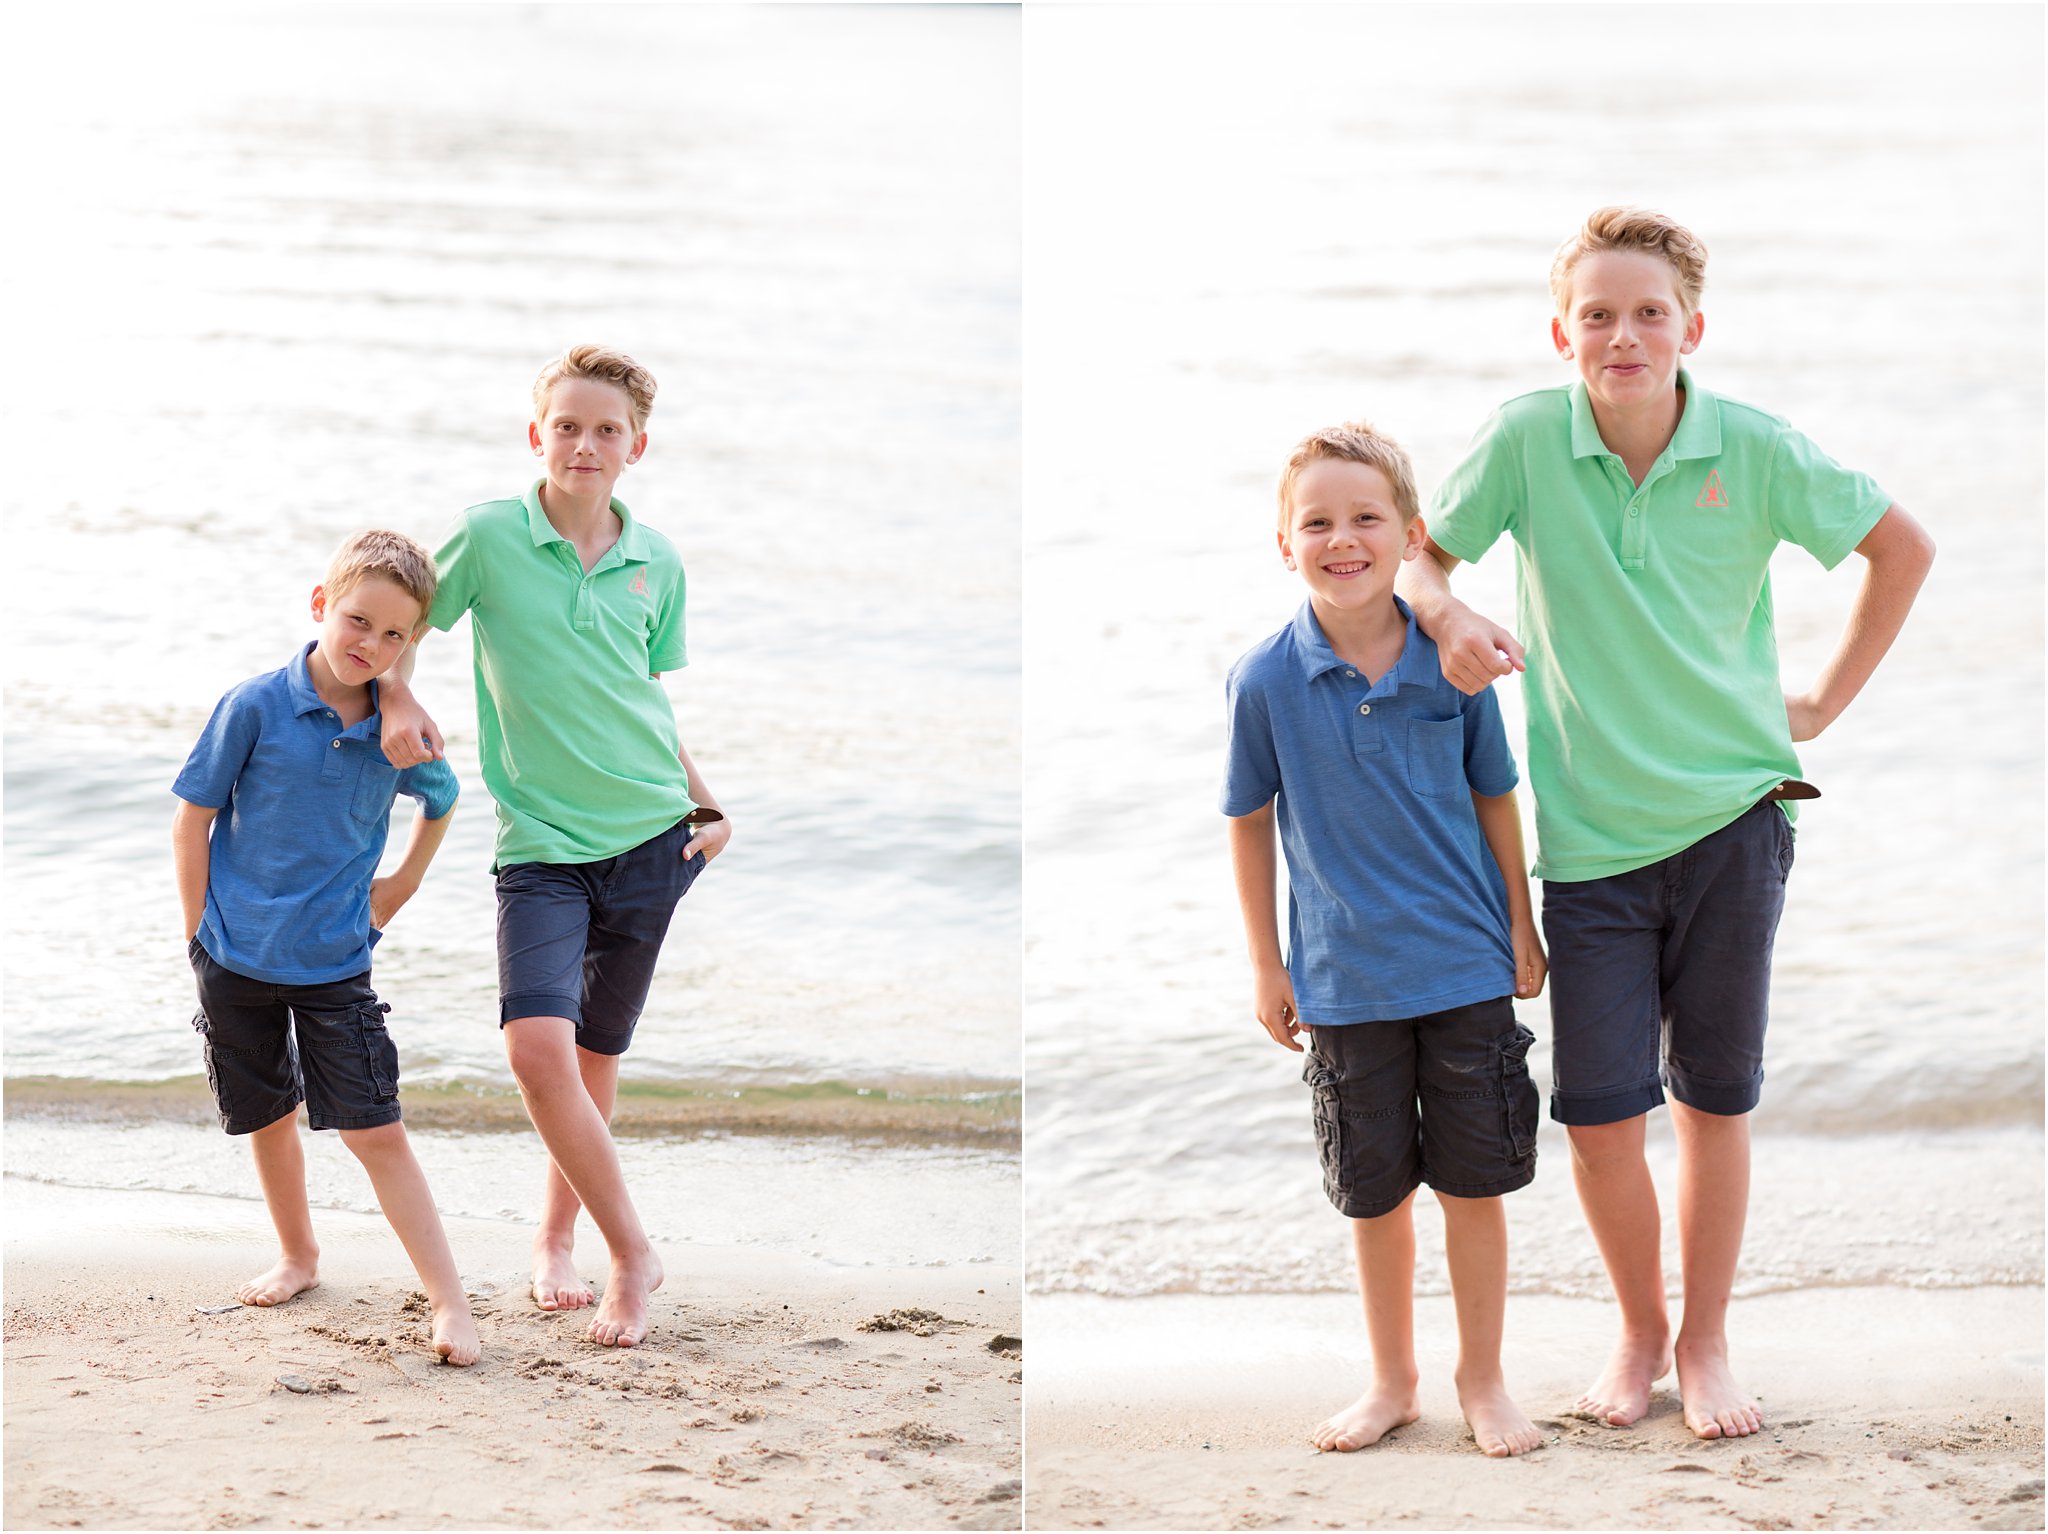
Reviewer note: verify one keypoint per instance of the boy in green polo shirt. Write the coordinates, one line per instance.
(1644, 512)
(603, 820)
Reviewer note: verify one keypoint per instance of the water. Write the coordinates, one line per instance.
(300, 284)
(1317, 214)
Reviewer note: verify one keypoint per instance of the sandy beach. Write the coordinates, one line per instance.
(769, 1394)
(1885, 1408)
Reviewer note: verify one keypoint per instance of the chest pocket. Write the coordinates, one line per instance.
(376, 787)
(1436, 757)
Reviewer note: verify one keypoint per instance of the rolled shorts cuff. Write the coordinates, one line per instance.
(1589, 1108)
(1354, 1205)
(541, 1004)
(1729, 1099)
(1509, 1184)
(262, 1118)
(593, 1042)
(376, 1118)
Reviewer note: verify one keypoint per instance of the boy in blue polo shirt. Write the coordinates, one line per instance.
(1644, 512)
(282, 905)
(1409, 925)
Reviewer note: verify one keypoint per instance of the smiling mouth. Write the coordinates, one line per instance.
(1354, 568)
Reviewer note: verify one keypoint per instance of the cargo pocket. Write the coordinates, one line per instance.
(1436, 757)
(378, 1050)
(1329, 1119)
(203, 1026)
(1518, 1094)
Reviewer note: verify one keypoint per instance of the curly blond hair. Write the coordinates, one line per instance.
(603, 365)
(1357, 442)
(1624, 228)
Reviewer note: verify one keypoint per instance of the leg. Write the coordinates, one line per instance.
(543, 1056)
(556, 1285)
(386, 1154)
(1718, 991)
(1713, 1202)
(1385, 1250)
(281, 1169)
(1620, 1202)
(1476, 1245)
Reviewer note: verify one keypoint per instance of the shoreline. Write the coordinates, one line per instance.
(758, 1399)
(1885, 1408)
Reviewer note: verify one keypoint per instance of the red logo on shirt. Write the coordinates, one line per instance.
(639, 583)
(1711, 493)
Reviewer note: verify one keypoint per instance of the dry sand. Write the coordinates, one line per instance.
(1885, 1408)
(757, 1401)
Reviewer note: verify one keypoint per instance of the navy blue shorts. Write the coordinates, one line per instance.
(579, 940)
(1662, 976)
(1444, 1099)
(271, 1046)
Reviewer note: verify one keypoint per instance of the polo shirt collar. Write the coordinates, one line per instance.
(1698, 434)
(1417, 666)
(632, 544)
(306, 701)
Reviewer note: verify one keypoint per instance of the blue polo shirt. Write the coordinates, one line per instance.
(305, 805)
(1395, 906)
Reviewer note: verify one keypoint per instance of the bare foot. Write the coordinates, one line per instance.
(621, 1320)
(279, 1282)
(556, 1285)
(1715, 1406)
(1622, 1394)
(1496, 1422)
(1368, 1419)
(455, 1334)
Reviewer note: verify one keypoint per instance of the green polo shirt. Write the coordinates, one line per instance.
(577, 738)
(1656, 713)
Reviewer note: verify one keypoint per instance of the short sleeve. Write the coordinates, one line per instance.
(1816, 503)
(665, 648)
(1252, 774)
(456, 564)
(1489, 764)
(209, 774)
(1482, 497)
(433, 785)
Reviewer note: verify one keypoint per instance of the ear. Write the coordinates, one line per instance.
(639, 447)
(1694, 329)
(1286, 553)
(319, 604)
(1418, 532)
(1558, 338)
(533, 437)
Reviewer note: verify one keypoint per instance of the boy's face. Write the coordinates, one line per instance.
(1344, 534)
(365, 629)
(1624, 328)
(587, 438)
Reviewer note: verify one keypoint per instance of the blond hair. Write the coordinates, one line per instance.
(603, 365)
(394, 556)
(1356, 442)
(1622, 228)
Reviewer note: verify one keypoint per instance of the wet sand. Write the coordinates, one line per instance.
(757, 1401)
(1885, 1408)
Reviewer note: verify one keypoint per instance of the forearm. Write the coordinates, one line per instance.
(700, 791)
(191, 856)
(421, 844)
(1256, 867)
(1500, 822)
(1900, 553)
(1424, 583)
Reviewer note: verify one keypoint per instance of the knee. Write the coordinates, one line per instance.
(1599, 1148)
(539, 1058)
(376, 1143)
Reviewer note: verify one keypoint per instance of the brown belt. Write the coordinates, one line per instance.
(1792, 788)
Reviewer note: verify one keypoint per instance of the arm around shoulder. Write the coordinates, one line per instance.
(1473, 650)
